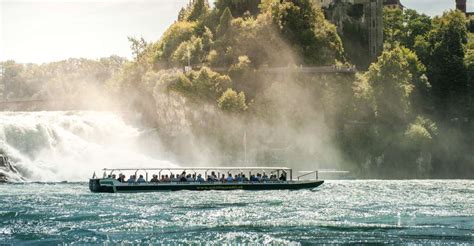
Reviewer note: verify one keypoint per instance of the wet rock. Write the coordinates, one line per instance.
(5, 164)
(3, 178)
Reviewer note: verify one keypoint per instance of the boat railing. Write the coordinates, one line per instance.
(317, 172)
(307, 173)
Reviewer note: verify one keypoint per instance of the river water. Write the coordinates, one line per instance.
(363, 211)
(57, 146)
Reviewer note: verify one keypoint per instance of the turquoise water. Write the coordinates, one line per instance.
(336, 212)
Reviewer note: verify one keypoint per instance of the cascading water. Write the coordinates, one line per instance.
(57, 146)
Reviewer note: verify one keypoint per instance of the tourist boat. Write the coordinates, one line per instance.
(109, 184)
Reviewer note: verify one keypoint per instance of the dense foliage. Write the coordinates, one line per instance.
(442, 46)
(68, 81)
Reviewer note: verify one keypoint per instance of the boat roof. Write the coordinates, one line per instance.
(197, 168)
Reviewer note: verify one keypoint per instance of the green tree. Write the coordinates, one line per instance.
(207, 39)
(304, 26)
(204, 84)
(469, 61)
(392, 84)
(385, 99)
(173, 37)
(11, 80)
(197, 9)
(209, 84)
(415, 25)
(393, 28)
(232, 101)
(224, 22)
(190, 51)
(404, 26)
(182, 14)
(239, 7)
(443, 51)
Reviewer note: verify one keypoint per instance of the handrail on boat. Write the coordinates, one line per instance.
(308, 173)
(316, 172)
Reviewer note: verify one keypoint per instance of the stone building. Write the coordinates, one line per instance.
(461, 5)
(364, 15)
(393, 4)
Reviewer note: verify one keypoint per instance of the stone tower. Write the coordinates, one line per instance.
(461, 5)
(374, 13)
(372, 20)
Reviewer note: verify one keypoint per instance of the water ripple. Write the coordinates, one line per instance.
(370, 211)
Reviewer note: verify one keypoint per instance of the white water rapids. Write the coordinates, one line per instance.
(58, 146)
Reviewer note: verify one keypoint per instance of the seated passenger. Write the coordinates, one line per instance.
(189, 178)
(253, 178)
(265, 177)
(245, 179)
(214, 176)
(121, 178)
(273, 177)
(167, 179)
(238, 178)
(229, 178)
(141, 179)
(259, 177)
(199, 178)
(131, 180)
(210, 178)
(182, 177)
(154, 179)
(283, 177)
(113, 176)
(222, 178)
(174, 178)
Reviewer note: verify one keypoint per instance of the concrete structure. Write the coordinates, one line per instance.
(374, 10)
(372, 19)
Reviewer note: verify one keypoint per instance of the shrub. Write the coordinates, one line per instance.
(232, 101)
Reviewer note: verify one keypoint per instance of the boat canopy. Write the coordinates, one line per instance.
(199, 169)
(285, 170)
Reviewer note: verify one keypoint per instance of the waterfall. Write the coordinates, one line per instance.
(58, 146)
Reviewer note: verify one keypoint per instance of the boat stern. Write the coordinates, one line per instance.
(95, 186)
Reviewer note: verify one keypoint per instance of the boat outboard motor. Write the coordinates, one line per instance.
(94, 185)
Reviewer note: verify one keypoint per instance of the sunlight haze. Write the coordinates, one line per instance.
(44, 31)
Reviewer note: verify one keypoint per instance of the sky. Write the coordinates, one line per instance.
(40, 31)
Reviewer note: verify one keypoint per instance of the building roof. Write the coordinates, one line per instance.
(393, 2)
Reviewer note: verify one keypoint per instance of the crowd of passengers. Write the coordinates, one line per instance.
(183, 177)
